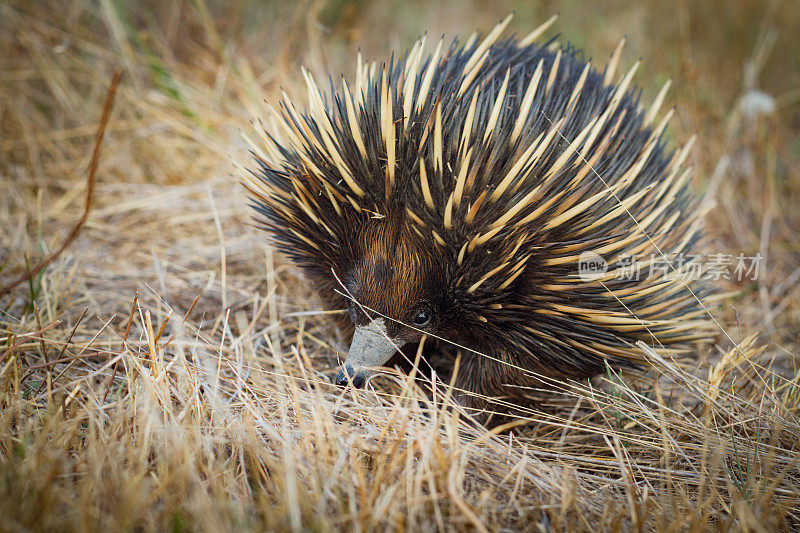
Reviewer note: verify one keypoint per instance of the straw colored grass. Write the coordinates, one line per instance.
(168, 370)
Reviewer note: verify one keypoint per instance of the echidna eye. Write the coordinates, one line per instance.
(423, 317)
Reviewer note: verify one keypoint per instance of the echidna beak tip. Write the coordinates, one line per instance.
(348, 375)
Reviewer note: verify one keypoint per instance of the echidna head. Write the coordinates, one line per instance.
(396, 292)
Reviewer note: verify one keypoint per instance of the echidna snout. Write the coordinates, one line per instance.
(371, 348)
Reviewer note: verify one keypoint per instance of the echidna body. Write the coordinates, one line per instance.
(454, 194)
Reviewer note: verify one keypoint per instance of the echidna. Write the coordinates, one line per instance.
(455, 194)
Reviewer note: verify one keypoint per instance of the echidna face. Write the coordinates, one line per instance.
(396, 293)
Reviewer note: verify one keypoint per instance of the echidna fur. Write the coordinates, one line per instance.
(467, 184)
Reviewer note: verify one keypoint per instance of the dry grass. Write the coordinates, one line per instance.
(167, 371)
